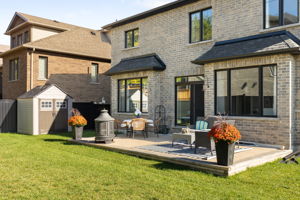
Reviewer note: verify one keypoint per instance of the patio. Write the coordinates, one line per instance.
(159, 148)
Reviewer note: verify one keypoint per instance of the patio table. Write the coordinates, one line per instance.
(127, 123)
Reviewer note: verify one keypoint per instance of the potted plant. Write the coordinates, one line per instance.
(225, 136)
(137, 113)
(77, 121)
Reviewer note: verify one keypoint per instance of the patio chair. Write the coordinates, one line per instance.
(153, 127)
(118, 127)
(139, 124)
(201, 136)
(189, 137)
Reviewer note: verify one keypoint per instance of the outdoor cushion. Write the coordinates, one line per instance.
(200, 125)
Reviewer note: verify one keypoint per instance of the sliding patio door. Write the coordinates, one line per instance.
(189, 100)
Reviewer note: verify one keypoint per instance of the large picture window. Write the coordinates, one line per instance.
(14, 69)
(280, 12)
(201, 25)
(246, 91)
(133, 94)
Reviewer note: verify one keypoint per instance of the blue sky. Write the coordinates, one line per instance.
(86, 13)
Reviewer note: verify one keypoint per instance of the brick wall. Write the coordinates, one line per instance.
(13, 89)
(167, 34)
(69, 73)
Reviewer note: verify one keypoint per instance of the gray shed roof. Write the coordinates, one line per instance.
(38, 90)
(140, 63)
(262, 44)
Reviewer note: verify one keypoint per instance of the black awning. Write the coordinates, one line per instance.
(135, 64)
(262, 44)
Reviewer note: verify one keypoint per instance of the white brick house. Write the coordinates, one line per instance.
(199, 58)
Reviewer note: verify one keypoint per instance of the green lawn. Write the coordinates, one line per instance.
(48, 167)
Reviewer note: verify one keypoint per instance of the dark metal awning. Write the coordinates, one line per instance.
(135, 64)
(256, 45)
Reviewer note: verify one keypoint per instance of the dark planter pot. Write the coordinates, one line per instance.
(77, 133)
(225, 153)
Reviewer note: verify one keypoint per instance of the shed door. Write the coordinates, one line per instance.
(61, 115)
(46, 116)
(53, 116)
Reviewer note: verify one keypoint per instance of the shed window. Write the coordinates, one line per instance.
(61, 105)
(43, 68)
(46, 105)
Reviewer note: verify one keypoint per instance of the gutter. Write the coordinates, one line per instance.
(31, 68)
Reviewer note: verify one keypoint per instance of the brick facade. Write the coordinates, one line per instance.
(68, 72)
(167, 35)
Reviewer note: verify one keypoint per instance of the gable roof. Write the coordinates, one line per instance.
(21, 19)
(39, 90)
(78, 41)
(140, 63)
(261, 44)
(149, 13)
(3, 48)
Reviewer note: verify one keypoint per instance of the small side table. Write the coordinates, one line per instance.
(189, 137)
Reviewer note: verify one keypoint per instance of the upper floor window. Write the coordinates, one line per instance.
(132, 38)
(20, 40)
(13, 70)
(26, 37)
(201, 25)
(280, 12)
(43, 68)
(94, 73)
(13, 42)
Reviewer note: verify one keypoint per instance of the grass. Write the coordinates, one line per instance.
(48, 167)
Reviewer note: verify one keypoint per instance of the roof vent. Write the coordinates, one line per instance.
(56, 21)
(93, 33)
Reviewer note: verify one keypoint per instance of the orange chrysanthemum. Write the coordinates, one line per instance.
(225, 132)
(77, 120)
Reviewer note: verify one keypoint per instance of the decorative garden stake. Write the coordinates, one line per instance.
(77, 121)
(225, 136)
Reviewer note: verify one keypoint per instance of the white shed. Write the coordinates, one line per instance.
(44, 109)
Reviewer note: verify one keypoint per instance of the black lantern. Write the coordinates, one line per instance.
(104, 125)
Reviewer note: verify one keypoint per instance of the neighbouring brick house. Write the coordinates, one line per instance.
(199, 58)
(3, 48)
(48, 51)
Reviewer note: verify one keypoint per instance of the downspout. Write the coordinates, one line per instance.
(31, 68)
(290, 107)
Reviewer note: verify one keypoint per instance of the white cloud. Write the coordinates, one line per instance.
(151, 3)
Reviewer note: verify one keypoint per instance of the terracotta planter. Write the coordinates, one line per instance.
(225, 153)
(77, 133)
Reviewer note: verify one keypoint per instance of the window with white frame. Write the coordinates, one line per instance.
(43, 68)
(46, 105)
(94, 73)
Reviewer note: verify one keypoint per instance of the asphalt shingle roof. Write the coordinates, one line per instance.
(262, 44)
(140, 63)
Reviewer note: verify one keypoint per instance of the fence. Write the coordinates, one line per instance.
(8, 116)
